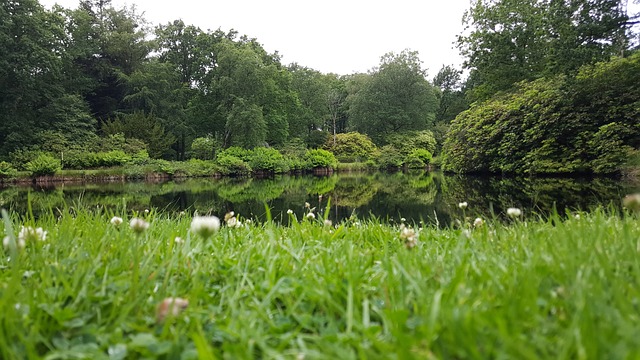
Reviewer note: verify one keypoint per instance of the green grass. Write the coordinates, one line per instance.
(524, 290)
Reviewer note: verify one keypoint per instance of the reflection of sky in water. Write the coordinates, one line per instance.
(416, 196)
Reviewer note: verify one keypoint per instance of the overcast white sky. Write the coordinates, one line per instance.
(339, 36)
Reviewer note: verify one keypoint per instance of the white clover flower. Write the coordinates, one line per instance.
(311, 216)
(146, 211)
(466, 233)
(327, 222)
(116, 221)
(307, 205)
(178, 240)
(410, 237)
(290, 212)
(576, 216)
(514, 212)
(30, 234)
(229, 215)
(6, 242)
(205, 226)
(478, 222)
(247, 221)
(170, 307)
(138, 225)
(233, 222)
(403, 219)
(463, 205)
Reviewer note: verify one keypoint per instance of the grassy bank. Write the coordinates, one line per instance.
(546, 289)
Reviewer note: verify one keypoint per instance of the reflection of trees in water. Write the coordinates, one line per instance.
(353, 192)
(414, 187)
(532, 194)
(414, 195)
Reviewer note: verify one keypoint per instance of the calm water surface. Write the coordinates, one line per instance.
(417, 196)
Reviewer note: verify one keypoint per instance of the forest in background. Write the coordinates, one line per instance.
(551, 88)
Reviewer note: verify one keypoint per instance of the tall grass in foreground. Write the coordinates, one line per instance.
(566, 289)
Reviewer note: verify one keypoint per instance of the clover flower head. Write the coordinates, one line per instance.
(138, 225)
(6, 242)
(478, 222)
(290, 212)
(463, 205)
(410, 237)
(116, 221)
(205, 226)
(307, 205)
(311, 216)
(229, 215)
(178, 240)
(27, 233)
(234, 222)
(327, 222)
(514, 212)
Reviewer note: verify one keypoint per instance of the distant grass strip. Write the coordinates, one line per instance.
(97, 288)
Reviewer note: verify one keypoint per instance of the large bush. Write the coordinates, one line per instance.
(418, 158)
(319, 158)
(232, 165)
(7, 170)
(557, 125)
(408, 141)
(351, 146)
(269, 160)
(203, 148)
(236, 151)
(390, 158)
(43, 164)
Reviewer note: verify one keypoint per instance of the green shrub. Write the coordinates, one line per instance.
(318, 158)
(20, 157)
(236, 151)
(7, 170)
(414, 162)
(552, 125)
(268, 159)
(390, 158)
(196, 167)
(79, 159)
(232, 165)
(351, 147)
(140, 157)
(408, 141)
(418, 158)
(203, 148)
(113, 158)
(43, 164)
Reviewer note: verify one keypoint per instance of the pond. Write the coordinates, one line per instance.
(431, 197)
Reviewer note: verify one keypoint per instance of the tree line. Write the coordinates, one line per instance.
(96, 77)
(73, 76)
